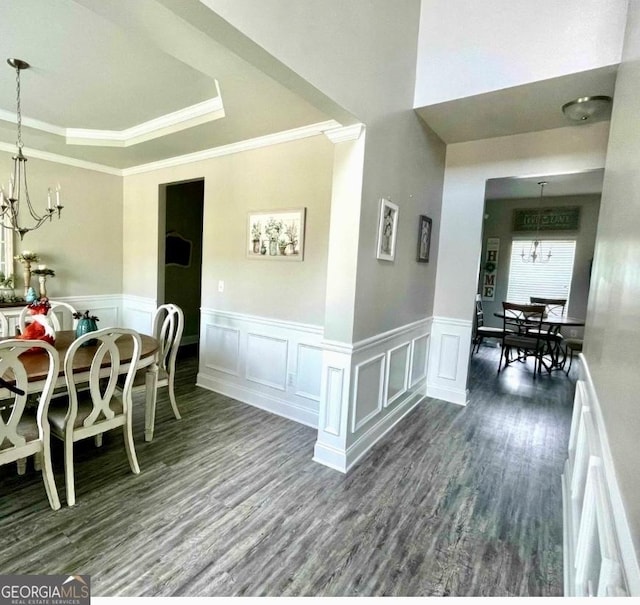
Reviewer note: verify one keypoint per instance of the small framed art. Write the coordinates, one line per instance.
(424, 238)
(387, 230)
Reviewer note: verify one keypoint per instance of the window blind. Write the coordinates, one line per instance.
(548, 280)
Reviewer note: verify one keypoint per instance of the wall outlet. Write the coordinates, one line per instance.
(291, 379)
(220, 286)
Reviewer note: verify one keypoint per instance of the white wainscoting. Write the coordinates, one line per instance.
(599, 557)
(271, 364)
(367, 388)
(449, 365)
(137, 312)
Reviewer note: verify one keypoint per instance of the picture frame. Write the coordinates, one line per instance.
(276, 234)
(387, 230)
(424, 238)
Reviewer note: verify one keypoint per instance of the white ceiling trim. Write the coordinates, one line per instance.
(345, 133)
(207, 111)
(61, 159)
(256, 143)
(188, 117)
(214, 152)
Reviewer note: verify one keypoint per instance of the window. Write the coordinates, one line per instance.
(547, 280)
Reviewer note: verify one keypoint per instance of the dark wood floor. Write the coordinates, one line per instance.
(455, 501)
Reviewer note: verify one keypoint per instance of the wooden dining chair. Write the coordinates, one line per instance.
(167, 328)
(522, 326)
(61, 314)
(101, 408)
(24, 431)
(4, 325)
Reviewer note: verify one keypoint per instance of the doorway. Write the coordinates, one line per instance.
(180, 253)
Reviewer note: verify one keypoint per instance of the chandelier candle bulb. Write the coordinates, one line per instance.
(49, 198)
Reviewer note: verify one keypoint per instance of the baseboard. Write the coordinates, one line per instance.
(368, 439)
(258, 399)
(452, 395)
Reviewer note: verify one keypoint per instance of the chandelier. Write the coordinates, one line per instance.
(18, 189)
(536, 253)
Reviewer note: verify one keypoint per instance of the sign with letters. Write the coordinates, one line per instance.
(490, 268)
(564, 218)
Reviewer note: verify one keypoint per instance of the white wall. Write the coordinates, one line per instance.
(612, 338)
(84, 247)
(468, 48)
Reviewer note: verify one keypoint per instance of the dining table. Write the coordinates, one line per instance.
(36, 365)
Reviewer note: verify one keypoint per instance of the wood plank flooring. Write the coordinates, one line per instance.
(455, 501)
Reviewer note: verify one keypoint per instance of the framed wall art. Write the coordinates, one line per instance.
(387, 230)
(276, 234)
(424, 238)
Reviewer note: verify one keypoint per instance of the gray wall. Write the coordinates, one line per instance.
(367, 64)
(499, 223)
(612, 338)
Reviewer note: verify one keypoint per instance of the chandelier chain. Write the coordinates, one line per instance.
(18, 109)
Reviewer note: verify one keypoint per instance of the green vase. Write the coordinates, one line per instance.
(86, 325)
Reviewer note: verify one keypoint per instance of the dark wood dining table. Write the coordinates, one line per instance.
(36, 365)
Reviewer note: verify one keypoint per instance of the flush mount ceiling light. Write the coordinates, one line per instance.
(585, 109)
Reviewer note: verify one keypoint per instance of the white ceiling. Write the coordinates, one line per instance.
(110, 66)
(527, 108)
(578, 183)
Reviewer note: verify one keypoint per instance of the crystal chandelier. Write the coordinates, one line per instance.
(18, 190)
(536, 252)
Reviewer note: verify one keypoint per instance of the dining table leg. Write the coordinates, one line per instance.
(151, 382)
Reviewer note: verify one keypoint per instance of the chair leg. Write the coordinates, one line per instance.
(98, 439)
(570, 360)
(151, 395)
(21, 466)
(172, 398)
(37, 461)
(68, 471)
(47, 476)
(131, 451)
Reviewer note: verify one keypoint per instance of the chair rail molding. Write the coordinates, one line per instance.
(366, 389)
(449, 359)
(599, 556)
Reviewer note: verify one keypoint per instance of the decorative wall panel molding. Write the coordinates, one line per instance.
(271, 364)
(367, 388)
(599, 556)
(449, 353)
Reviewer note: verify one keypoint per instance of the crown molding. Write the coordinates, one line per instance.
(215, 152)
(343, 134)
(197, 114)
(206, 154)
(62, 159)
(187, 117)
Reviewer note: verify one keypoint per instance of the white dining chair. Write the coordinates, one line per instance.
(101, 408)
(4, 325)
(61, 314)
(24, 431)
(167, 328)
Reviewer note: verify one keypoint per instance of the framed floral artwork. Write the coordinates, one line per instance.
(276, 234)
(424, 238)
(387, 230)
